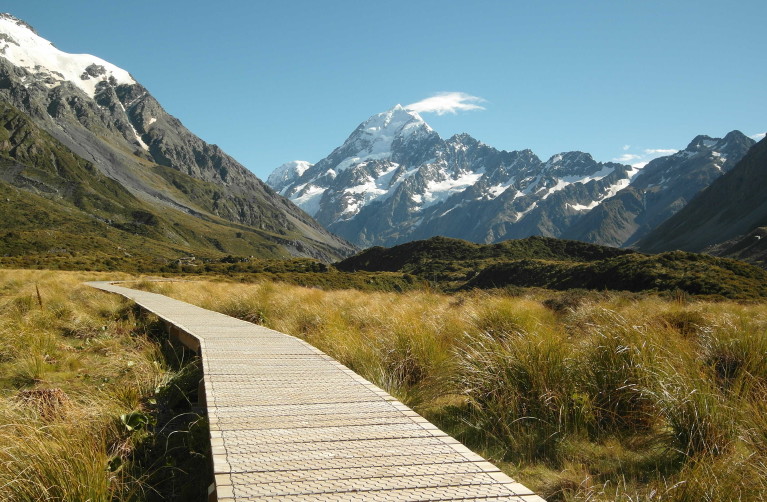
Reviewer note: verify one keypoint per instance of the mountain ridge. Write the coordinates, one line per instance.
(394, 179)
(123, 131)
(732, 207)
(60, 208)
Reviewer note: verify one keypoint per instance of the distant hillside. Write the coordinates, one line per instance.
(751, 247)
(410, 256)
(661, 188)
(732, 206)
(692, 273)
(54, 202)
(186, 193)
(561, 264)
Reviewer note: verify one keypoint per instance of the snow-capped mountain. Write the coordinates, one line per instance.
(728, 218)
(23, 47)
(395, 180)
(660, 190)
(286, 173)
(99, 112)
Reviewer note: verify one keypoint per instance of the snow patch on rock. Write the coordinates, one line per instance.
(26, 49)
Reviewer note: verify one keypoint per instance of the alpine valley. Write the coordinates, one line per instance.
(91, 162)
(396, 180)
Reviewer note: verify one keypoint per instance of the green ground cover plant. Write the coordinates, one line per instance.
(453, 264)
(581, 395)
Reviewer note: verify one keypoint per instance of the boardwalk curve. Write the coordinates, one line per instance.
(289, 423)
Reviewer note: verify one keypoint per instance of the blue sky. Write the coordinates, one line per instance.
(272, 81)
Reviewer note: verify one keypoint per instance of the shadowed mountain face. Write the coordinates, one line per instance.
(663, 187)
(727, 215)
(395, 180)
(104, 117)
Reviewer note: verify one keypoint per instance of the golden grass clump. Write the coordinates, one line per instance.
(580, 395)
(72, 360)
(51, 462)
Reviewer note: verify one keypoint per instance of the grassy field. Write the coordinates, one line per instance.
(86, 385)
(580, 395)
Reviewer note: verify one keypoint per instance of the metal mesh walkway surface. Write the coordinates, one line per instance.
(287, 422)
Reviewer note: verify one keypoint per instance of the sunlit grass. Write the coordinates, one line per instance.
(72, 361)
(580, 395)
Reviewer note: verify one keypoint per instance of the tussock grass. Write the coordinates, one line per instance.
(72, 361)
(587, 396)
(615, 376)
(521, 391)
(51, 462)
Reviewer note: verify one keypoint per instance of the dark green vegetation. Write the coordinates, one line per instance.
(59, 210)
(433, 255)
(443, 264)
(560, 264)
(298, 271)
(694, 274)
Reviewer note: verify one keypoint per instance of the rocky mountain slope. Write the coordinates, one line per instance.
(103, 116)
(750, 247)
(728, 214)
(395, 180)
(58, 208)
(663, 187)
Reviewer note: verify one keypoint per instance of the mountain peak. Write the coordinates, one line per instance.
(735, 134)
(394, 118)
(701, 141)
(24, 48)
(10, 17)
(461, 137)
(374, 137)
(733, 139)
(286, 173)
(737, 138)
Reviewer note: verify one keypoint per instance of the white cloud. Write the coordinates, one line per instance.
(758, 137)
(640, 159)
(447, 102)
(660, 152)
(627, 157)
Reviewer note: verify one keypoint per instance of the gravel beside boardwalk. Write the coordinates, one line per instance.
(287, 422)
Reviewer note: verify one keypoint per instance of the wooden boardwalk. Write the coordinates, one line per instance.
(288, 422)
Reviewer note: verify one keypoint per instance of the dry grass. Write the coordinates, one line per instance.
(72, 360)
(593, 396)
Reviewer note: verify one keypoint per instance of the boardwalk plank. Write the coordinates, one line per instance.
(289, 423)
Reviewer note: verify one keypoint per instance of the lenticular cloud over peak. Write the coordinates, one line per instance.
(447, 102)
